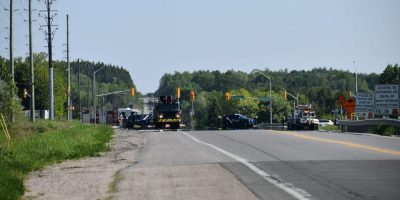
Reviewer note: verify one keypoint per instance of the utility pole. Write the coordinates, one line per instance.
(11, 42)
(355, 68)
(79, 90)
(94, 96)
(31, 63)
(50, 36)
(69, 75)
(88, 86)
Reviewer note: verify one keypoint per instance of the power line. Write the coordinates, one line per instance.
(49, 35)
(23, 18)
(4, 6)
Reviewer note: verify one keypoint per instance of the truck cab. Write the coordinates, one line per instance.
(303, 118)
(167, 113)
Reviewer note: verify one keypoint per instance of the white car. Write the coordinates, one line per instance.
(324, 122)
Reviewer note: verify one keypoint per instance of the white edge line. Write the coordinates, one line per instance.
(254, 168)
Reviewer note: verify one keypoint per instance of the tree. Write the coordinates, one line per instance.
(214, 110)
(9, 102)
(246, 106)
(391, 75)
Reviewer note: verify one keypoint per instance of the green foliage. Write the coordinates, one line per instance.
(246, 106)
(391, 75)
(384, 130)
(319, 87)
(329, 128)
(29, 152)
(214, 109)
(9, 103)
(22, 71)
(109, 79)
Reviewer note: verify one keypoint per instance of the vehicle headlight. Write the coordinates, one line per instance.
(177, 116)
(160, 116)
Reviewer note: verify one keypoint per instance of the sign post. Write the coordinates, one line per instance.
(341, 104)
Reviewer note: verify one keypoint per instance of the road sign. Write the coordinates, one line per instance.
(237, 97)
(264, 99)
(350, 105)
(365, 103)
(387, 99)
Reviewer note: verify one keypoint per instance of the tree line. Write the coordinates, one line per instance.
(319, 87)
(13, 101)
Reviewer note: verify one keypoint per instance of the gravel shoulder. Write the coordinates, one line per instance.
(89, 178)
(116, 174)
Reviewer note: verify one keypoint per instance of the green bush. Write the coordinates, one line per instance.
(30, 152)
(384, 130)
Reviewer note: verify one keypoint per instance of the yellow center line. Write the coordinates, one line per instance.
(349, 144)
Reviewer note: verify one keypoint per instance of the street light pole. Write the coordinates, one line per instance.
(94, 93)
(270, 96)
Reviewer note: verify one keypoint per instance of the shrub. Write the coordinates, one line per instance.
(384, 130)
(29, 152)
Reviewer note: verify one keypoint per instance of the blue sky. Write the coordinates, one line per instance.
(153, 37)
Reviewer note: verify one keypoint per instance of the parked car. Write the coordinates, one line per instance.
(237, 121)
(138, 118)
(146, 121)
(325, 122)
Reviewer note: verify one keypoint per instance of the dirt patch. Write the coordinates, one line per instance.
(88, 178)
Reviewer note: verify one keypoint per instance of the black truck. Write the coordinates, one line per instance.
(167, 113)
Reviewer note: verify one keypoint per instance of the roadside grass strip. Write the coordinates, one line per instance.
(349, 144)
(30, 152)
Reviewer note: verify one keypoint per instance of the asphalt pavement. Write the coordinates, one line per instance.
(284, 164)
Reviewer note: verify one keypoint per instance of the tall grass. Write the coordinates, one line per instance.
(328, 128)
(45, 143)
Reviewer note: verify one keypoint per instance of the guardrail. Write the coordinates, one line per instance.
(370, 122)
(275, 126)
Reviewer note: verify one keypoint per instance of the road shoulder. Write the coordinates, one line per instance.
(88, 178)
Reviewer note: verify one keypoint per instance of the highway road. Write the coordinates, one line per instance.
(263, 164)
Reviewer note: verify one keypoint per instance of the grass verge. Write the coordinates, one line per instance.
(45, 143)
(328, 128)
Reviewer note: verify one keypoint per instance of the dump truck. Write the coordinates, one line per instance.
(303, 118)
(167, 113)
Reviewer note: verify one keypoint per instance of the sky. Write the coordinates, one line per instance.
(153, 37)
